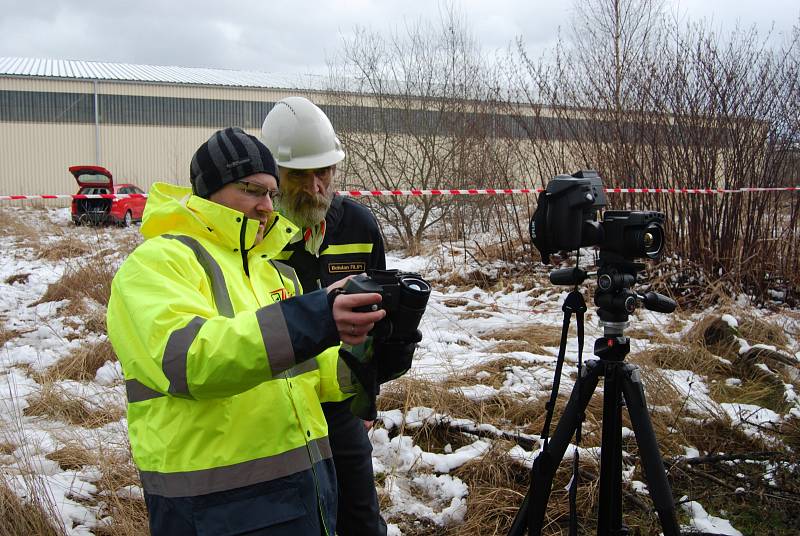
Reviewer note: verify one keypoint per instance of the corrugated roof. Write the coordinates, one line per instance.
(128, 72)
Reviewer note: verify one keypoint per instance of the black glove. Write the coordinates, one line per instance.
(373, 363)
(359, 360)
(393, 358)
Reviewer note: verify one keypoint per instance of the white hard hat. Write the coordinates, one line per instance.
(300, 136)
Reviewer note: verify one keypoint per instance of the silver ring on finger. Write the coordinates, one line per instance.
(352, 329)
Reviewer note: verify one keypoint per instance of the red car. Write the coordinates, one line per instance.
(94, 180)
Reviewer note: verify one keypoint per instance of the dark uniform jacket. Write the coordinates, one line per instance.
(352, 244)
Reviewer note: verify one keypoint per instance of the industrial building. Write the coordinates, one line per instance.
(142, 122)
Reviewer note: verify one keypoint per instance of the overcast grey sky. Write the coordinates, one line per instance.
(296, 36)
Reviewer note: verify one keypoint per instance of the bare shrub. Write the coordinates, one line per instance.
(426, 92)
(650, 102)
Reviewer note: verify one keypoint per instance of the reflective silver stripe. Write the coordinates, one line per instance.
(301, 368)
(214, 273)
(139, 392)
(176, 354)
(278, 343)
(344, 377)
(192, 483)
(314, 451)
(288, 272)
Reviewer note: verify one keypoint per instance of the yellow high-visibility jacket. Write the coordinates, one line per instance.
(224, 368)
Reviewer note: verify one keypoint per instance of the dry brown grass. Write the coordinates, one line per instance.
(85, 279)
(526, 338)
(502, 411)
(21, 278)
(12, 223)
(685, 357)
(755, 330)
(54, 402)
(82, 364)
(66, 247)
(128, 516)
(504, 279)
(758, 388)
(497, 484)
(653, 335)
(6, 334)
(715, 335)
(718, 337)
(492, 373)
(675, 429)
(19, 517)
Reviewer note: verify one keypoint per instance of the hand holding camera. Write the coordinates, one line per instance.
(353, 313)
(404, 298)
(388, 353)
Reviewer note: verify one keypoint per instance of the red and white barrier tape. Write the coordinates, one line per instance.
(503, 191)
(471, 191)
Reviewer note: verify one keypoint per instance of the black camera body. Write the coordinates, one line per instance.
(567, 218)
(404, 297)
(631, 234)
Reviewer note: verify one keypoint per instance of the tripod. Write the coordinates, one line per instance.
(621, 380)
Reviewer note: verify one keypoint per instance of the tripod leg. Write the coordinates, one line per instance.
(609, 513)
(653, 465)
(531, 513)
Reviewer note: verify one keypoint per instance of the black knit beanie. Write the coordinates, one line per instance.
(228, 155)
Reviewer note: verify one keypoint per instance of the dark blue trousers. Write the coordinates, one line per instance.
(358, 513)
(286, 506)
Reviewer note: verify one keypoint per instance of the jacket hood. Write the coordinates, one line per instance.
(174, 209)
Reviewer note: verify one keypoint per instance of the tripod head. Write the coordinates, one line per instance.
(615, 300)
(614, 297)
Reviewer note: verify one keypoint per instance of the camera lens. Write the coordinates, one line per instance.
(646, 241)
(414, 292)
(652, 240)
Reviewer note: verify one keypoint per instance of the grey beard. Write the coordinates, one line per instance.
(302, 214)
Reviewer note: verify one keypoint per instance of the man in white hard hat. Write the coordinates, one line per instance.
(339, 237)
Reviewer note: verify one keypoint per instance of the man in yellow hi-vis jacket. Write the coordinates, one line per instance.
(225, 363)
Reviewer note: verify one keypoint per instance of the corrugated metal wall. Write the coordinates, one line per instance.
(147, 132)
(49, 124)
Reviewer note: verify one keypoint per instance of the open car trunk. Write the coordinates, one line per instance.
(92, 180)
(93, 210)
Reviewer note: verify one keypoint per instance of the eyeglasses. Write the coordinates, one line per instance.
(256, 190)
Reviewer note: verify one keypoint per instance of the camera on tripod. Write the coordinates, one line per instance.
(567, 218)
(404, 297)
